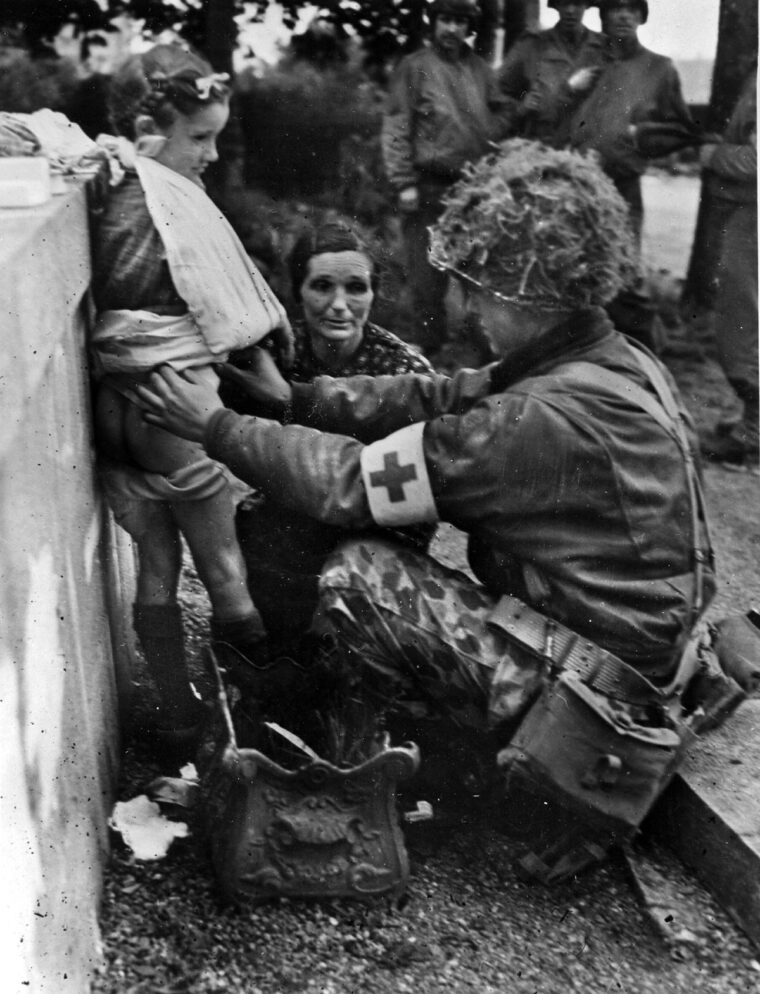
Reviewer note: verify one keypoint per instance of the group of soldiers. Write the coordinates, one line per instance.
(567, 87)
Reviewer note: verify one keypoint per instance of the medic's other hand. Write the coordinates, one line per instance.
(261, 381)
(409, 200)
(182, 404)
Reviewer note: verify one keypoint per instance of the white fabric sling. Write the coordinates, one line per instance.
(226, 295)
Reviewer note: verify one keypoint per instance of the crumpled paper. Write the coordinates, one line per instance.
(146, 831)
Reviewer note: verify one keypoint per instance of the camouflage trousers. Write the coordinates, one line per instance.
(416, 634)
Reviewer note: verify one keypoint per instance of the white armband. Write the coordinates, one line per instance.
(396, 479)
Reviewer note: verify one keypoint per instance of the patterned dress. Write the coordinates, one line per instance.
(380, 353)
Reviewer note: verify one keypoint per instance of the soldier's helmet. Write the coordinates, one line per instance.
(540, 227)
(455, 8)
(558, 3)
(643, 6)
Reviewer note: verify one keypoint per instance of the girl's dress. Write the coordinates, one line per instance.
(172, 284)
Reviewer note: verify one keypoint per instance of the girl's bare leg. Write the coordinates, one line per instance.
(209, 527)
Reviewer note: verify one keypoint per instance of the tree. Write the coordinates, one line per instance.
(736, 55)
(41, 20)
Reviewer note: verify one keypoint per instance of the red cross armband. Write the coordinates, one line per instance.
(396, 479)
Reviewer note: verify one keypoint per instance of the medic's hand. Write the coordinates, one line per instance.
(182, 404)
(261, 381)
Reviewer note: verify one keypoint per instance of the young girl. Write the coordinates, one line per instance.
(172, 284)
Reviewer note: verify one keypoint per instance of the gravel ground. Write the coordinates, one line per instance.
(466, 922)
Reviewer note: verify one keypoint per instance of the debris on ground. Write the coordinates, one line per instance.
(144, 829)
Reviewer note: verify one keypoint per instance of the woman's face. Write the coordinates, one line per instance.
(337, 296)
(191, 141)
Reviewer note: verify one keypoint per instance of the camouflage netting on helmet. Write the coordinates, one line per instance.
(541, 226)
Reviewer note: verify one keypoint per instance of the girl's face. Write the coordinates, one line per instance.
(191, 141)
(337, 295)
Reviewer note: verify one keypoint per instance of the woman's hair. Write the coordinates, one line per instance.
(163, 82)
(332, 236)
(541, 226)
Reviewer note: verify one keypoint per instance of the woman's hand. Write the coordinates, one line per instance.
(284, 344)
(182, 404)
(261, 381)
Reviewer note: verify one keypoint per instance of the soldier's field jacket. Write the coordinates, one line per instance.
(635, 87)
(542, 62)
(441, 113)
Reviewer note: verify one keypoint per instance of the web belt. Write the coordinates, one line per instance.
(564, 649)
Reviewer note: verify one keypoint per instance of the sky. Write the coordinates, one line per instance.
(682, 29)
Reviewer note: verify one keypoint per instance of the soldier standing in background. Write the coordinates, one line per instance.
(546, 73)
(444, 109)
(637, 85)
(731, 171)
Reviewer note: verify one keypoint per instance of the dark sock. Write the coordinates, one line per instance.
(161, 636)
(239, 632)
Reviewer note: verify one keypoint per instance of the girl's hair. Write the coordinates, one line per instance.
(163, 82)
(332, 236)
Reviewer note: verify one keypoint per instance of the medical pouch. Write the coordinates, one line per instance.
(602, 760)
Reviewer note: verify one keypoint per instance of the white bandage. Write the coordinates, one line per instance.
(396, 479)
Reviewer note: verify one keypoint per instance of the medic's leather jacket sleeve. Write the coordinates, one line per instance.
(318, 472)
(371, 407)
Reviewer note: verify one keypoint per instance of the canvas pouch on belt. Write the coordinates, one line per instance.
(589, 754)
(599, 740)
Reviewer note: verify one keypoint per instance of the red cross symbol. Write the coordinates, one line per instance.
(393, 477)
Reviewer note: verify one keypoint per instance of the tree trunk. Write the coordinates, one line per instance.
(735, 57)
(225, 176)
(221, 34)
(490, 21)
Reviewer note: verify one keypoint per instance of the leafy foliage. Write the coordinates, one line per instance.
(28, 84)
(296, 119)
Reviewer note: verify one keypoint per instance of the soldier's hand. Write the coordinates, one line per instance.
(706, 153)
(531, 103)
(583, 79)
(409, 200)
(180, 403)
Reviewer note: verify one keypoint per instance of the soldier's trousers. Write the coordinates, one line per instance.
(417, 633)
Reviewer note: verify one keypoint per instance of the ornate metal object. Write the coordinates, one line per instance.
(315, 831)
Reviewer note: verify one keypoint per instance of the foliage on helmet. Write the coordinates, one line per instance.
(541, 226)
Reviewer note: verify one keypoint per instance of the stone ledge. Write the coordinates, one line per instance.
(44, 274)
(710, 815)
